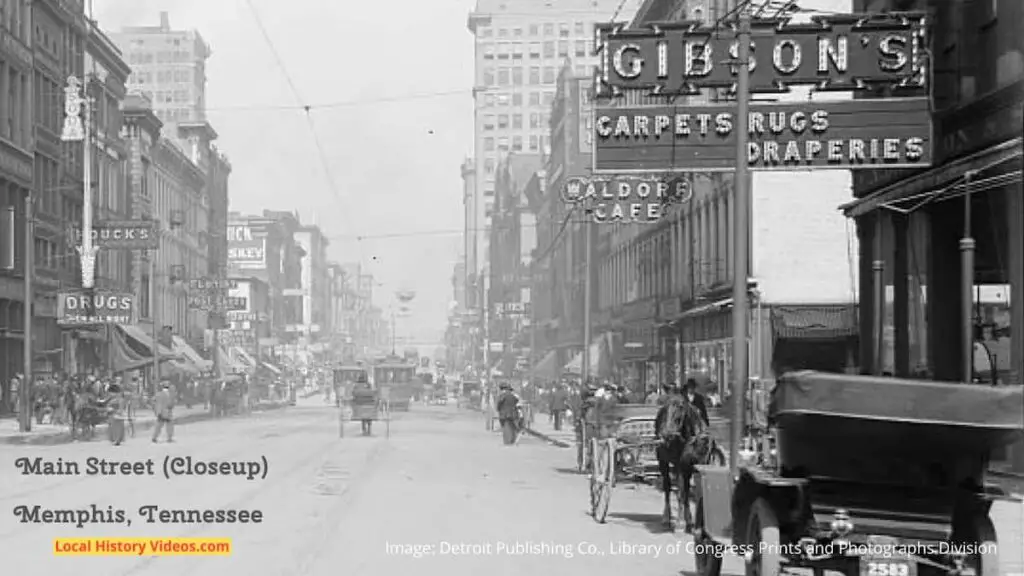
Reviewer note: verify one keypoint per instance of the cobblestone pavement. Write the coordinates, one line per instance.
(441, 495)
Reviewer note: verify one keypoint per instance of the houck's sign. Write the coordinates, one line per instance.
(851, 134)
(79, 308)
(843, 52)
(120, 234)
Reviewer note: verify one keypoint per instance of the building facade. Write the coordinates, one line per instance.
(314, 290)
(260, 248)
(169, 67)
(250, 328)
(911, 223)
(519, 49)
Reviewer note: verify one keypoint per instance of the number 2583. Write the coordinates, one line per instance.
(888, 569)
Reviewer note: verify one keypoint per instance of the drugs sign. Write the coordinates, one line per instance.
(844, 52)
(846, 135)
(82, 308)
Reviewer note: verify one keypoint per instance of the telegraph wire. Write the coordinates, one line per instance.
(306, 108)
(343, 103)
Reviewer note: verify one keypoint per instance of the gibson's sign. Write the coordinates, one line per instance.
(843, 53)
(120, 234)
(89, 308)
(848, 135)
(626, 199)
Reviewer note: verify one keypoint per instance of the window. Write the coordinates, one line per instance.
(563, 49)
(549, 49)
(517, 51)
(502, 121)
(534, 75)
(504, 50)
(517, 143)
(488, 100)
(517, 99)
(549, 28)
(583, 70)
(488, 144)
(534, 142)
(517, 121)
(580, 29)
(534, 120)
(484, 32)
(517, 76)
(488, 77)
(502, 32)
(563, 30)
(534, 50)
(534, 98)
(489, 165)
(504, 77)
(517, 31)
(488, 51)
(549, 74)
(549, 97)
(489, 122)
(581, 48)
(503, 99)
(534, 29)
(503, 144)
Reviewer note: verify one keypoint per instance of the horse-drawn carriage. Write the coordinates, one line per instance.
(618, 444)
(872, 476)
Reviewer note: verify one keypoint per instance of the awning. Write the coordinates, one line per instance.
(182, 348)
(600, 359)
(142, 342)
(547, 367)
(244, 357)
(936, 181)
(123, 356)
(814, 322)
(185, 366)
(271, 368)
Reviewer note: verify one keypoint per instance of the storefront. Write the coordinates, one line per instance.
(639, 355)
(911, 230)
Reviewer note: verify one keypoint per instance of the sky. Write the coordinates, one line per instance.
(393, 146)
(389, 85)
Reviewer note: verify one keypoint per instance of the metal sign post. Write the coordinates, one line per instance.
(741, 234)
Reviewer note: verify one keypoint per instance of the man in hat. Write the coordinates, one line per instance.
(163, 407)
(507, 407)
(367, 399)
(559, 404)
(696, 399)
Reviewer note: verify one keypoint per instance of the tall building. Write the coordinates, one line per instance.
(520, 48)
(169, 66)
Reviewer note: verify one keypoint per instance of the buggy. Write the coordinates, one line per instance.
(871, 476)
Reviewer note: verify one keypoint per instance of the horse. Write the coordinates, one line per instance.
(684, 444)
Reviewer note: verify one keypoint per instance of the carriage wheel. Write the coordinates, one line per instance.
(602, 478)
(763, 536)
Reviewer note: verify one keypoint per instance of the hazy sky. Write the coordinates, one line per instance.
(393, 145)
(395, 163)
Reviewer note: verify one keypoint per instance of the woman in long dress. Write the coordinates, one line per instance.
(116, 405)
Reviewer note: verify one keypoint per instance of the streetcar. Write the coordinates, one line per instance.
(395, 378)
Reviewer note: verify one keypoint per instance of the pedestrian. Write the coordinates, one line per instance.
(696, 399)
(507, 407)
(163, 406)
(559, 403)
(116, 406)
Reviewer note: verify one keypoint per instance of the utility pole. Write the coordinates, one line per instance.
(154, 315)
(393, 332)
(967, 289)
(587, 294)
(741, 231)
(25, 421)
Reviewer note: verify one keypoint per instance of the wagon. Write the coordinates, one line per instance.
(872, 476)
(622, 444)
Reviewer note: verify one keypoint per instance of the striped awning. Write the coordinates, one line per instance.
(814, 322)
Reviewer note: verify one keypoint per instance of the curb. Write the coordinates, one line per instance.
(546, 438)
(64, 437)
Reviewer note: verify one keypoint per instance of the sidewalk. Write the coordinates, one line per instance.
(545, 430)
(49, 434)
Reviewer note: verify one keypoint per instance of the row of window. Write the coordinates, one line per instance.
(515, 99)
(546, 29)
(532, 75)
(533, 143)
(535, 50)
(161, 57)
(515, 121)
(161, 76)
(687, 257)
